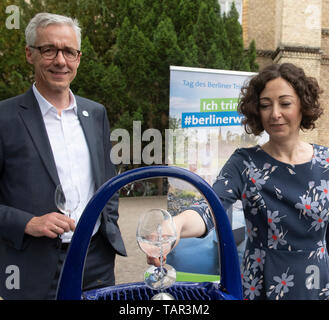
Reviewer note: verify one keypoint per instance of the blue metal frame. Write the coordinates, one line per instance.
(70, 282)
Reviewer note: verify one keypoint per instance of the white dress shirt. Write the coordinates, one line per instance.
(71, 153)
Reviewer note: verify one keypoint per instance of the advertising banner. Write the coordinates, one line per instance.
(205, 125)
(205, 129)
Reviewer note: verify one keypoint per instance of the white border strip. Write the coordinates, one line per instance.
(189, 69)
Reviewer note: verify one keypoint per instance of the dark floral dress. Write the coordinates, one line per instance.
(286, 210)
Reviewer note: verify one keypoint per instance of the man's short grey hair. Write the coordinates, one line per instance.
(44, 19)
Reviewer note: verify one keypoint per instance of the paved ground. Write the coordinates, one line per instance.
(131, 268)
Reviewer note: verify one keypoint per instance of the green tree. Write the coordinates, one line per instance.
(167, 52)
(15, 75)
(239, 58)
(134, 58)
(253, 66)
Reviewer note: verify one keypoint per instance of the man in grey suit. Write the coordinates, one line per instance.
(49, 136)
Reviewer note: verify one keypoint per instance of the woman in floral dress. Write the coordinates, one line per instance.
(284, 189)
(286, 213)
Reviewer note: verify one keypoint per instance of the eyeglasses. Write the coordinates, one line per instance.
(51, 52)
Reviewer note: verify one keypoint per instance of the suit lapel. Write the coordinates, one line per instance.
(32, 118)
(89, 128)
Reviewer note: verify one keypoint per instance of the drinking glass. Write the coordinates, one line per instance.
(156, 236)
(67, 199)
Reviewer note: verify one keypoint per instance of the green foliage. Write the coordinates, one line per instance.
(15, 75)
(251, 56)
(128, 47)
(233, 29)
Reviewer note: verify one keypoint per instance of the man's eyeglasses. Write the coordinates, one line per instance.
(51, 52)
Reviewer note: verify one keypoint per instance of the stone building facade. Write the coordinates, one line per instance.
(297, 32)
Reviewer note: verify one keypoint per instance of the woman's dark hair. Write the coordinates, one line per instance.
(306, 88)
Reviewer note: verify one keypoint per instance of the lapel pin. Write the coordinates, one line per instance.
(85, 113)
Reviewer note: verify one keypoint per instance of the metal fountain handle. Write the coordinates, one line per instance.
(70, 281)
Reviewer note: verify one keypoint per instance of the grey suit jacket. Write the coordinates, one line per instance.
(28, 178)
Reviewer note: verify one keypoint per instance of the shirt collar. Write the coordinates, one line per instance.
(45, 105)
